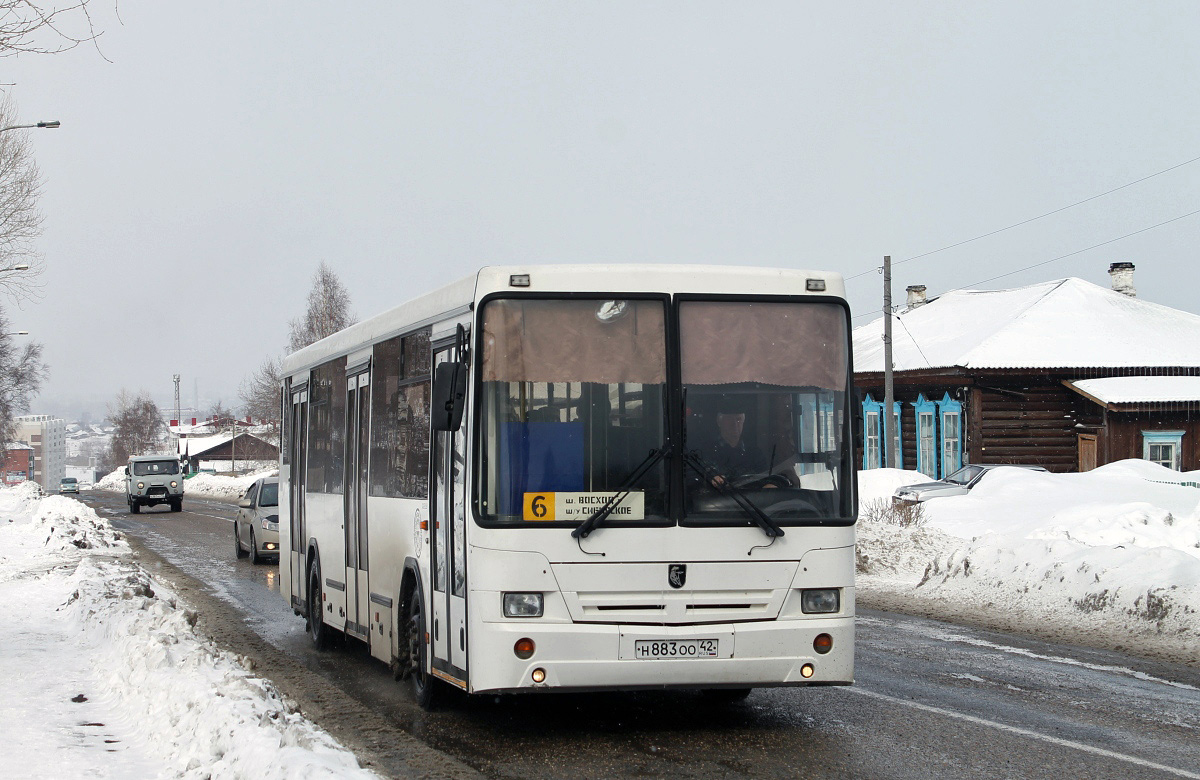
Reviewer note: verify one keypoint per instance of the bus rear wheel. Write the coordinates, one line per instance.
(421, 681)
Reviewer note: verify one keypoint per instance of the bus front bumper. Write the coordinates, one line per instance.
(577, 656)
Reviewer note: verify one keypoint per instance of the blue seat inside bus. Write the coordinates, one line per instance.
(539, 457)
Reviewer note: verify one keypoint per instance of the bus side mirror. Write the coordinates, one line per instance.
(127, 471)
(449, 396)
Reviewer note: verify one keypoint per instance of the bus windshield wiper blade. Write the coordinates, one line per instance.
(601, 514)
(727, 488)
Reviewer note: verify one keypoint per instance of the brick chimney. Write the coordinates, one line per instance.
(916, 295)
(1122, 278)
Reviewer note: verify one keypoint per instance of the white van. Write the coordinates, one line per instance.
(151, 480)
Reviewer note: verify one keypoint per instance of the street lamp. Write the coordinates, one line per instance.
(53, 123)
(20, 267)
(18, 333)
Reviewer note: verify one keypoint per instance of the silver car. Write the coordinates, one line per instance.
(256, 524)
(957, 484)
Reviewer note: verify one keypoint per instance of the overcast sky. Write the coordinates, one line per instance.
(226, 148)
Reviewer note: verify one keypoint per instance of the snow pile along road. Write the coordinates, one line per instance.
(1113, 552)
(206, 485)
(104, 674)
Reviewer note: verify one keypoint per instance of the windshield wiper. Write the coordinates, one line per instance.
(727, 488)
(601, 514)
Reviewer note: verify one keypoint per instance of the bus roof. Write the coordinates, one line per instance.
(457, 298)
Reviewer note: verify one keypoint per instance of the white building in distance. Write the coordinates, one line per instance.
(48, 437)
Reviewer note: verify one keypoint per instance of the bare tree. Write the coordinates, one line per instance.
(21, 375)
(27, 27)
(260, 394)
(138, 424)
(20, 219)
(328, 310)
(218, 412)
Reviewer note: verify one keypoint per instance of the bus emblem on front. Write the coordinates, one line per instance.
(677, 574)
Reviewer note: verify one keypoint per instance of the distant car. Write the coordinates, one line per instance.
(68, 485)
(957, 484)
(256, 524)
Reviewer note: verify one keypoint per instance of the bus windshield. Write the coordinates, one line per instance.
(765, 387)
(573, 395)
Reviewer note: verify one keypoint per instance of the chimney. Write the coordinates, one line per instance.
(1122, 278)
(916, 295)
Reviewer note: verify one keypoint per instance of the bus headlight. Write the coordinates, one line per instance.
(522, 605)
(820, 600)
(141, 485)
(174, 483)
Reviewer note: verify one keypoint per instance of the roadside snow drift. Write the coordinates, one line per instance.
(1117, 547)
(104, 675)
(206, 485)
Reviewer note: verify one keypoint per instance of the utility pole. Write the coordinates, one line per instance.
(889, 394)
(233, 450)
(178, 419)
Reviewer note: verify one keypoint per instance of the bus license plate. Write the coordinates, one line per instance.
(675, 648)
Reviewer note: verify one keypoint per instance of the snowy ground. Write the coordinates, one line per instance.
(1109, 557)
(206, 485)
(103, 675)
(101, 659)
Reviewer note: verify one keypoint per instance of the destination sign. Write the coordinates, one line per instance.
(577, 507)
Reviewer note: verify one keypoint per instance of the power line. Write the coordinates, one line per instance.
(1034, 219)
(1062, 257)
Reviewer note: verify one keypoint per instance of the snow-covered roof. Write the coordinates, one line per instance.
(1068, 323)
(1140, 389)
(194, 445)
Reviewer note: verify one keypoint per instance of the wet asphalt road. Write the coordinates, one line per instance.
(931, 699)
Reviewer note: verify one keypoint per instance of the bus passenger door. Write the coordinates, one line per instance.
(358, 433)
(448, 509)
(298, 540)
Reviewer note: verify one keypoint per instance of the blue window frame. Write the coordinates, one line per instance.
(950, 433)
(926, 415)
(1164, 448)
(874, 433)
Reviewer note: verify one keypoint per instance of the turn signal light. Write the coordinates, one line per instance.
(524, 648)
(823, 643)
(808, 670)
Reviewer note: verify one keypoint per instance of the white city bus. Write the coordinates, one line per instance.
(581, 478)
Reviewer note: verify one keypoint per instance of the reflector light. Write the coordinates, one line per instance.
(539, 675)
(524, 648)
(814, 285)
(807, 671)
(518, 280)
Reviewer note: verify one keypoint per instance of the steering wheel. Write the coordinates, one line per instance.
(761, 480)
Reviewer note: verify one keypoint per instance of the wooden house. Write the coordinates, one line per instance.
(1065, 374)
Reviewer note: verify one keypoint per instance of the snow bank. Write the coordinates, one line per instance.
(207, 485)
(151, 696)
(1117, 547)
(219, 486)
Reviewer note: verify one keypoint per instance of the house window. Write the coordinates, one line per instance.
(1163, 448)
(951, 434)
(871, 458)
(875, 434)
(927, 459)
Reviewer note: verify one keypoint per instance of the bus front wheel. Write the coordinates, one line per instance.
(421, 681)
